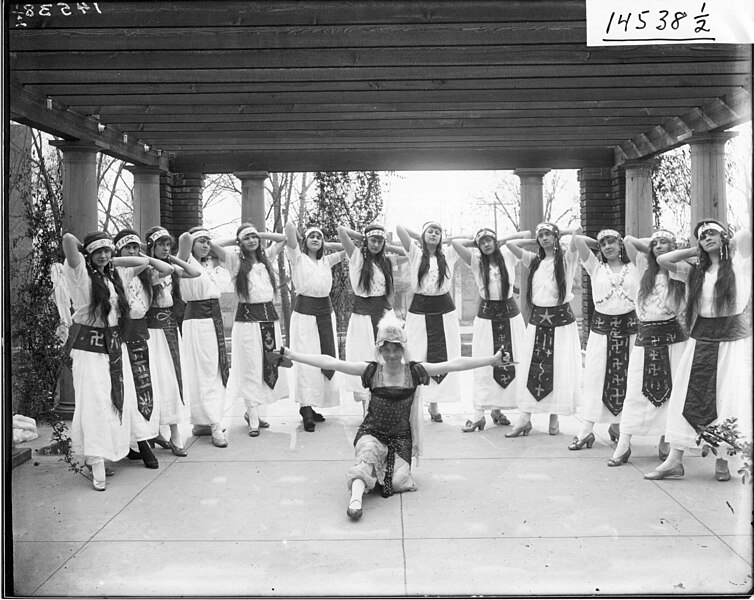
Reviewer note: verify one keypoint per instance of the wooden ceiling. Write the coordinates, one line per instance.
(305, 86)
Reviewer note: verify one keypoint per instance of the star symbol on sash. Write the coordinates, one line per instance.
(546, 316)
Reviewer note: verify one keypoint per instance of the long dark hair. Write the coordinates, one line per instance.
(100, 304)
(242, 278)
(382, 261)
(157, 289)
(495, 258)
(676, 289)
(724, 296)
(560, 276)
(442, 264)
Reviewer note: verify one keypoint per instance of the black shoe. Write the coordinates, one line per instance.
(133, 454)
(307, 415)
(317, 417)
(150, 461)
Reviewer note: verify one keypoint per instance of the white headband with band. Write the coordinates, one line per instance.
(429, 224)
(662, 233)
(247, 231)
(160, 233)
(201, 233)
(127, 239)
(607, 233)
(311, 230)
(547, 226)
(484, 232)
(707, 227)
(375, 232)
(97, 244)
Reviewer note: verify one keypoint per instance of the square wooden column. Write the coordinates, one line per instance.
(252, 197)
(79, 186)
(639, 221)
(146, 197)
(708, 199)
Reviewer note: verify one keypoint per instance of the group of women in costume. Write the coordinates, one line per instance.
(665, 337)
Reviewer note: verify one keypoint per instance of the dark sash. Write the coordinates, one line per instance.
(374, 306)
(164, 319)
(104, 340)
(700, 408)
(265, 314)
(321, 309)
(539, 381)
(618, 329)
(655, 337)
(500, 313)
(138, 354)
(134, 330)
(210, 309)
(433, 308)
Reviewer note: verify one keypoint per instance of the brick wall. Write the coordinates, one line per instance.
(181, 201)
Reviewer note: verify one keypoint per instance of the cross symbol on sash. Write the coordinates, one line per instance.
(539, 389)
(548, 352)
(615, 396)
(653, 355)
(96, 339)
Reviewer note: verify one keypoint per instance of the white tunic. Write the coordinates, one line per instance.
(640, 416)
(566, 394)
(488, 393)
(173, 409)
(311, 278)
(202, 382)
(138, 303)
(734, 363)
(416, 327)
(96, 428)
(360, 334)
(613, 294)
(245, 382)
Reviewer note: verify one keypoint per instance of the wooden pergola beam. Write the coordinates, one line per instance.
(28, 108)
(717, 115)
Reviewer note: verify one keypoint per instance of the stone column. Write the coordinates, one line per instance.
(252, 197)
(146, 197)
(639, 221)
(79, 186)
(532, 197)
(708, 198)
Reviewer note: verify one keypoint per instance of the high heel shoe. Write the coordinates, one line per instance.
(675, 472)
(353, 512)
(614, 432)
(177, 450)
(621, 460)
(147, 456)
(160, 441)
(663, 449)
(554, 430)
(722, 473)
(498, 418)
(577, 444)
(471, 427)
(436, 417)
(519, 431)
(133, 454)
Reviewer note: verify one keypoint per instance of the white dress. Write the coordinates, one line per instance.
(488, 393)
(734, 364)
(173, 408)
(96, 428)
(613, 294)
(566, 392)
(311, 278)
(360, 334)
(416, 327)
(138, 303)
(203, 387)
(245, 381)
(640, 416)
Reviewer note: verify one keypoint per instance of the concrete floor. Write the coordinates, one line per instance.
(266, 517)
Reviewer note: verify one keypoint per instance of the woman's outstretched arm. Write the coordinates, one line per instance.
(463, 363)
(323, 361)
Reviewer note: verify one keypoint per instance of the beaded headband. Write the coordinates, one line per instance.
(607, 233)
(160, 233)
(246, 231)
(375, 231)
(546, 226)
(127, 239)
(707, 226)
(201, 233)
(97, 244)
(662, 233)
(484, 232)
